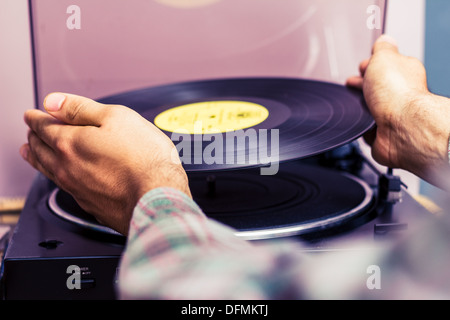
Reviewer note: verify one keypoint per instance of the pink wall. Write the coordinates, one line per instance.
(16, 96)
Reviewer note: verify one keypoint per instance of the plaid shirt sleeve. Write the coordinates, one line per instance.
(175, 252)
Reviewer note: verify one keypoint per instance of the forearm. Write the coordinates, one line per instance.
(422, 134)
(175, 252)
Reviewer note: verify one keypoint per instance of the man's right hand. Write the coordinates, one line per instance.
(413, 125)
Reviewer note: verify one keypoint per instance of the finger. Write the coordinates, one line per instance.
(363, 67)
(370, 136)
(29, 156)
(45, 155)
(385, 42)
(43, 125)
(75, 110)
(355, 82)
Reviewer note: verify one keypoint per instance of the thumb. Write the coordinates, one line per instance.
(385, 42)
(75, 110)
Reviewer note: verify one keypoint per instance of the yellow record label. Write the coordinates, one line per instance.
(211, 117)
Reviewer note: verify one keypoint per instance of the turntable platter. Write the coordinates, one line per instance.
(300, 199)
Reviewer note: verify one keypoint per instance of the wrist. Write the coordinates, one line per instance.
(429, 118)
(171, 176)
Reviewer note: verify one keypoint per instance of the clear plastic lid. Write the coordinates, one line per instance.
(102, 47)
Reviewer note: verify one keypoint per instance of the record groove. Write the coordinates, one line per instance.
(312, 116)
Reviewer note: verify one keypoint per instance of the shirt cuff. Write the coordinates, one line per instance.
(160, 203)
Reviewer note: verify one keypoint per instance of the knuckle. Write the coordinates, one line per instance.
(413, 60)
(61, 178)
(62, 146)
(33, 140)
(30, 134)
(73, 112)
(110, 113)
(416, 63)
(115, 111)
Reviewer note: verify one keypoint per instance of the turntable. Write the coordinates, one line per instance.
(312, 183)
(321, 194)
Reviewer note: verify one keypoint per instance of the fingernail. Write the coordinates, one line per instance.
(388, 39)
(54, 101)
(24, 152)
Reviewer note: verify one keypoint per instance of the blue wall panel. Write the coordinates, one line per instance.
(437, 63)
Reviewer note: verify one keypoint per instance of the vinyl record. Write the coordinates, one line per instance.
(251, 122)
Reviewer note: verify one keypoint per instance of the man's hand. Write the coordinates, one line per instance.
(413, 125)
(106, 156)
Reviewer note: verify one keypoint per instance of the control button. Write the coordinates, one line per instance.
(50, 244)
(87, 283)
